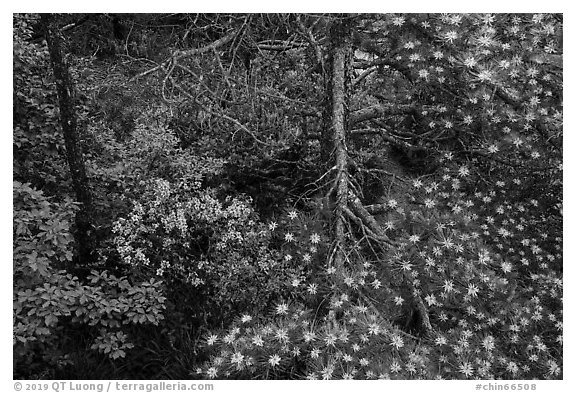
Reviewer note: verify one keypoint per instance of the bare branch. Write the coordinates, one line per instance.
(363, 75)
(76, 24)
(279, 45)
(385, 61)
(386, 136)
(190, 52)
(377, 208)
(376, 111)
(310, 37)
(219, 114)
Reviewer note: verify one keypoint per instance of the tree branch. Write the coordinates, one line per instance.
(363, 75)
(190, 52)
(219, 114)
(310, 37)
(278, 45)
(376, 111)
(386, 136)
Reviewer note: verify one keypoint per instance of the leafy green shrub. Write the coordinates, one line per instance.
(49, 302)
(38, 142)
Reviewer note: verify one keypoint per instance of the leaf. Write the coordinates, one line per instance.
(50, 320)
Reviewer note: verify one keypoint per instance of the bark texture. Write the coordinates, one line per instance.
(69, 126)
(340, 38)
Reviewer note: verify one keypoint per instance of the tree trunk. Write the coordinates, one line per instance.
(71, 138)
(335, 129)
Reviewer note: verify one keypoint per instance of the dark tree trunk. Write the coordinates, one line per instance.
(69, 125)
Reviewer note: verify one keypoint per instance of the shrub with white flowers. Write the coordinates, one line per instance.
(182, 233)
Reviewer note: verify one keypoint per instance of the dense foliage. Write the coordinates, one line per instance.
(291, 196)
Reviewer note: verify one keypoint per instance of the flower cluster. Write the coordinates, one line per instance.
(468, 263)
(219, 247)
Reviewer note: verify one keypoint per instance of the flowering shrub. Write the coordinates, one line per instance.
(183, 233)
(409, 169)
(49, 302)
(458, 297)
